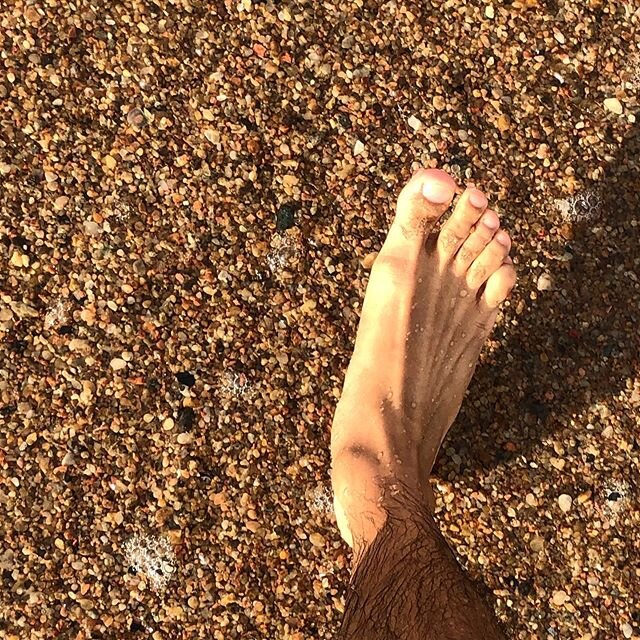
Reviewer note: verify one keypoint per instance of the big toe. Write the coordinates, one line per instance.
(421, 203)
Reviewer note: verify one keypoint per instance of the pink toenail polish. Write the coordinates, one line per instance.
(478, 199)
(436, 192)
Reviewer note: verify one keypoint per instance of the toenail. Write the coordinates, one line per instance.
(491, 221)
(503, 238)
(478, 199)
(436, 192)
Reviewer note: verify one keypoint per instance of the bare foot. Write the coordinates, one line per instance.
(431, 302)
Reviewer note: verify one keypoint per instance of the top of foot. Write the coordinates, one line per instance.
(430, 304)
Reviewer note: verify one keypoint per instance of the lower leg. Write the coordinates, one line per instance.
(407, 584)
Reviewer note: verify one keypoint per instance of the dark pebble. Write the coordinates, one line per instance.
(285, 217)
(186, 378)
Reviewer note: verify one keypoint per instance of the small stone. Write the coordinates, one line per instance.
(414, 123)
(59, 543)
(545, 282)
(252, 525)
(530, 499)
(565, 501)
(560, 597)
(358, 148)
(109, 162)
(168, 424)
(136, 118)
(348, 42)
(60, 202)
(503, 123)
(369, 259)
(193, 602)
(439, 103)
(285, 218)
(92, 228)
(68, 459)
(19, 259)
(186, 378)
(614, 105)
(317, 539)
(184, 438)
(627, 630)
(537, 544)
(489, 12)
(584, 497)
(117, 364)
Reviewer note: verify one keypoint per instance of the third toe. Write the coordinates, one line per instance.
(479, 238)
(489, 260)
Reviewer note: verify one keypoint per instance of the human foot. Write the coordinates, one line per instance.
(431, 302)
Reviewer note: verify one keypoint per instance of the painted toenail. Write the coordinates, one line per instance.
(436, 192)
(491, 222)
(478, 199)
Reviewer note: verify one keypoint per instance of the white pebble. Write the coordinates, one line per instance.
(117, 364)
(414, 123)
(627, 630)
(489, 12)
(358, 148)
(545, 282)
(614, 105)
(565, 501)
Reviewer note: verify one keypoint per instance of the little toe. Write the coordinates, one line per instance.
(499, 284)
(421, 203)
(473, 246)
(489, 260)
(457, 228)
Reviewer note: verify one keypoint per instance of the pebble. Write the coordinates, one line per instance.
(565, 501)
(627, 630)
(118, 363)
(439, 102)
(537, 544)
(358, 148)
(545, 282)
(560, 597)
(414, 123)
(614, 105)
(317, 540)
(369, 259)
(136, 118)
(60, 202)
